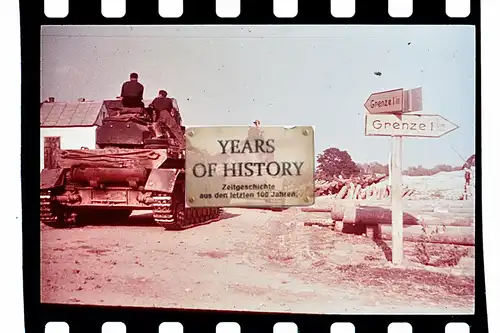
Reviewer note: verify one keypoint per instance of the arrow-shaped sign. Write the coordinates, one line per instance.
(385, 102)
(415, 125)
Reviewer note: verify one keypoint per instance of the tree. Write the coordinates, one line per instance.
(333, 162)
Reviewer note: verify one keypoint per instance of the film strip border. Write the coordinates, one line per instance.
(232, 8)
(58, 318)
(247, 11)
(232, 327)
(241, 12)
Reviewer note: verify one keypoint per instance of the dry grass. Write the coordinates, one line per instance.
(321, 255)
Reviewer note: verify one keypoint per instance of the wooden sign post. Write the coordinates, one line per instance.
(397, 199)
(387, 116)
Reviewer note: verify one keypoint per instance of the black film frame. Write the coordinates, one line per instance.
(89, 319)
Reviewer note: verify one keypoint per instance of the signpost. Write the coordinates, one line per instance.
(387, 117)
(397, 200)
(385, 102)
(409, 125)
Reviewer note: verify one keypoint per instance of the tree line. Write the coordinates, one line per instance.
(333, 162)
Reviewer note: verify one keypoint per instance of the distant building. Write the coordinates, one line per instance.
(73, 125)
(69, 125)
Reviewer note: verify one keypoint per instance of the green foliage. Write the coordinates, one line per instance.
(333, 162)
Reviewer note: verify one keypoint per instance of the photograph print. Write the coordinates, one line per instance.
(120, 111)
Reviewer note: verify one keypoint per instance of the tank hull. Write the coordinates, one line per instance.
(110, 183)
(110, 176)
(69, 204)
(110, 198)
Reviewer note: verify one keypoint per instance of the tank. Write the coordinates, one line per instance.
(129, 170)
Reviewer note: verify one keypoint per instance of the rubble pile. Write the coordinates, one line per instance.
(366, 187)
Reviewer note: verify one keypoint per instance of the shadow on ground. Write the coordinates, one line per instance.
(379, 213)
(137, 219)
(437, 255)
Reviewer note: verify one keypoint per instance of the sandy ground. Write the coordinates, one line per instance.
(254, 260)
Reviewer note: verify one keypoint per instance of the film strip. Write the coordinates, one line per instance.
(131, 276)
(231, 9)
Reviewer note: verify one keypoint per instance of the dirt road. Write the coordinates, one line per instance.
(250, 260)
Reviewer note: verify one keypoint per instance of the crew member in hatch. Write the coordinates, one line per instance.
(163, 107)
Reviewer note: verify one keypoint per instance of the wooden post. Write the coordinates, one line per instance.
(51, 144)
(397, 201)
(390, 167)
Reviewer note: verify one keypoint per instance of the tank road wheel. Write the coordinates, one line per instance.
(162, 210)
(170, 211)
(52, 215)
(179, 213)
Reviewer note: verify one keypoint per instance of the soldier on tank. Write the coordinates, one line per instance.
(256, 133)
(162, 102)
(132, 92)
(175, 113)
(163, 107)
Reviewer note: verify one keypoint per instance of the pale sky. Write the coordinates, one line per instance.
(281, 75)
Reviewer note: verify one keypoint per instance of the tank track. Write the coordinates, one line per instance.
(169, 211)
(52, 216)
